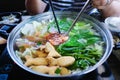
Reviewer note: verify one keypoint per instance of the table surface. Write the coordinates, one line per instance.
(114, 64)
(113, 61)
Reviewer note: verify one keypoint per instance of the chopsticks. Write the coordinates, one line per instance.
(79, 14)
(55, 17)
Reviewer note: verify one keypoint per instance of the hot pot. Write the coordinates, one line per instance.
(101, 28)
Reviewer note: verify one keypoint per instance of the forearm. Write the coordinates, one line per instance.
(35, 6)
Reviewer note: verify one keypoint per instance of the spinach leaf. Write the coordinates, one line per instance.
(58, 70)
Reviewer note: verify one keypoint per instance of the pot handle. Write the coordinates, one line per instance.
(5, 30)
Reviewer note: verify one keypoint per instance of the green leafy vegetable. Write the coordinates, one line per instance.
(84, 45)
(58, 70)
(38, 43)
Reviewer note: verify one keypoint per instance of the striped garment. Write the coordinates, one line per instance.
(68, 5)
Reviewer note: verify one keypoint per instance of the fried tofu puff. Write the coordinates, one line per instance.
(52, 61)
(64, 71)
(35, 61)
(51, 70)
(45, 69)
(48, 60)
(39, 53)
(63, 61)
(52, 52)
(47, 50)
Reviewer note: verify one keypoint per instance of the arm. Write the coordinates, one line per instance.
(109, 9)
(35, 6)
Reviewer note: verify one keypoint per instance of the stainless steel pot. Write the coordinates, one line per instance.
(104, 32)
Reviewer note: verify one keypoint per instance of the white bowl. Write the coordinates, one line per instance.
(113, 23)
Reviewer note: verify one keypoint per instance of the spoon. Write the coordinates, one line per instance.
(66, 34)
(54, 16)
(79, 14)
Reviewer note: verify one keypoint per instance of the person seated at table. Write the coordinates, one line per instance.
(11, 6)
(106, 7)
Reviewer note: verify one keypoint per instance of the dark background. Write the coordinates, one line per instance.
(12, 5)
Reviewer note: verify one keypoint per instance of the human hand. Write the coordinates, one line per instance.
(107, 7)
(101, 4)
(2, 40)
(112, 9)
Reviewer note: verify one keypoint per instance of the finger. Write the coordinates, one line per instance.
(99, 2)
